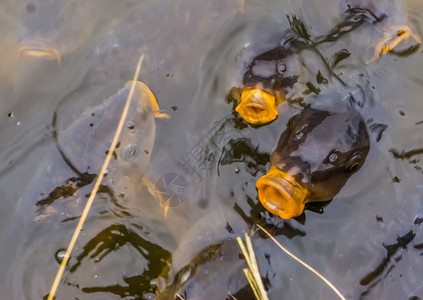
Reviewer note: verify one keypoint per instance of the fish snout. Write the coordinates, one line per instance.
(281, 194)
(257, 106)
(45, 49)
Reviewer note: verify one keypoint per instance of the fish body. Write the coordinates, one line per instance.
(65, 178)
(51, 29)
(53, 201)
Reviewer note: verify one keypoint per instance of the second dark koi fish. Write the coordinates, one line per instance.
(315, 156)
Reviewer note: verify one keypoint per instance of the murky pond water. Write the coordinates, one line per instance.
(167, 223)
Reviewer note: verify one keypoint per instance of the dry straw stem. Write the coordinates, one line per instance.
(179, 296)
(96, 186)
(253, 273)
(303, 263)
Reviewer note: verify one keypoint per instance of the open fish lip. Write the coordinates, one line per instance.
(49, 53)
(281, 194)
(257, 106)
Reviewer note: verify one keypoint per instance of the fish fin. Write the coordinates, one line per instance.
(151, 187)
(148, 184)
(166, 209)
(158, 114)
(153, 101)
(383, 47)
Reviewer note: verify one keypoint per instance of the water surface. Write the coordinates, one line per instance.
(368, 241)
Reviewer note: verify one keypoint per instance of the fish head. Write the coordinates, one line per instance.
(135, 143)
(265, 83)
(313, 160)
(50, 29)
(87, 141)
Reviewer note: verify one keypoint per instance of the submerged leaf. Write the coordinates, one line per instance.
(298, 27)
(340, 56)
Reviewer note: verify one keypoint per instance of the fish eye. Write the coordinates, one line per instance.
(184, 274)
(333, 157)
(280, 67)
(300, 134)
(354, 162)
(129, 152)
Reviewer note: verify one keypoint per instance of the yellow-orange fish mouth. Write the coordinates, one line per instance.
(281, 194)
(257, 106)
(45, 53)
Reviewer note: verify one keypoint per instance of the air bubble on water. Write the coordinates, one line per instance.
(236, 170)
(11, 115)
(60, 255)
(95, 276)
(131, 126)
(149, 296)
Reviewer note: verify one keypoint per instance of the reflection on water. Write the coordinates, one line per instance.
(135, 247)
(113, 238)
